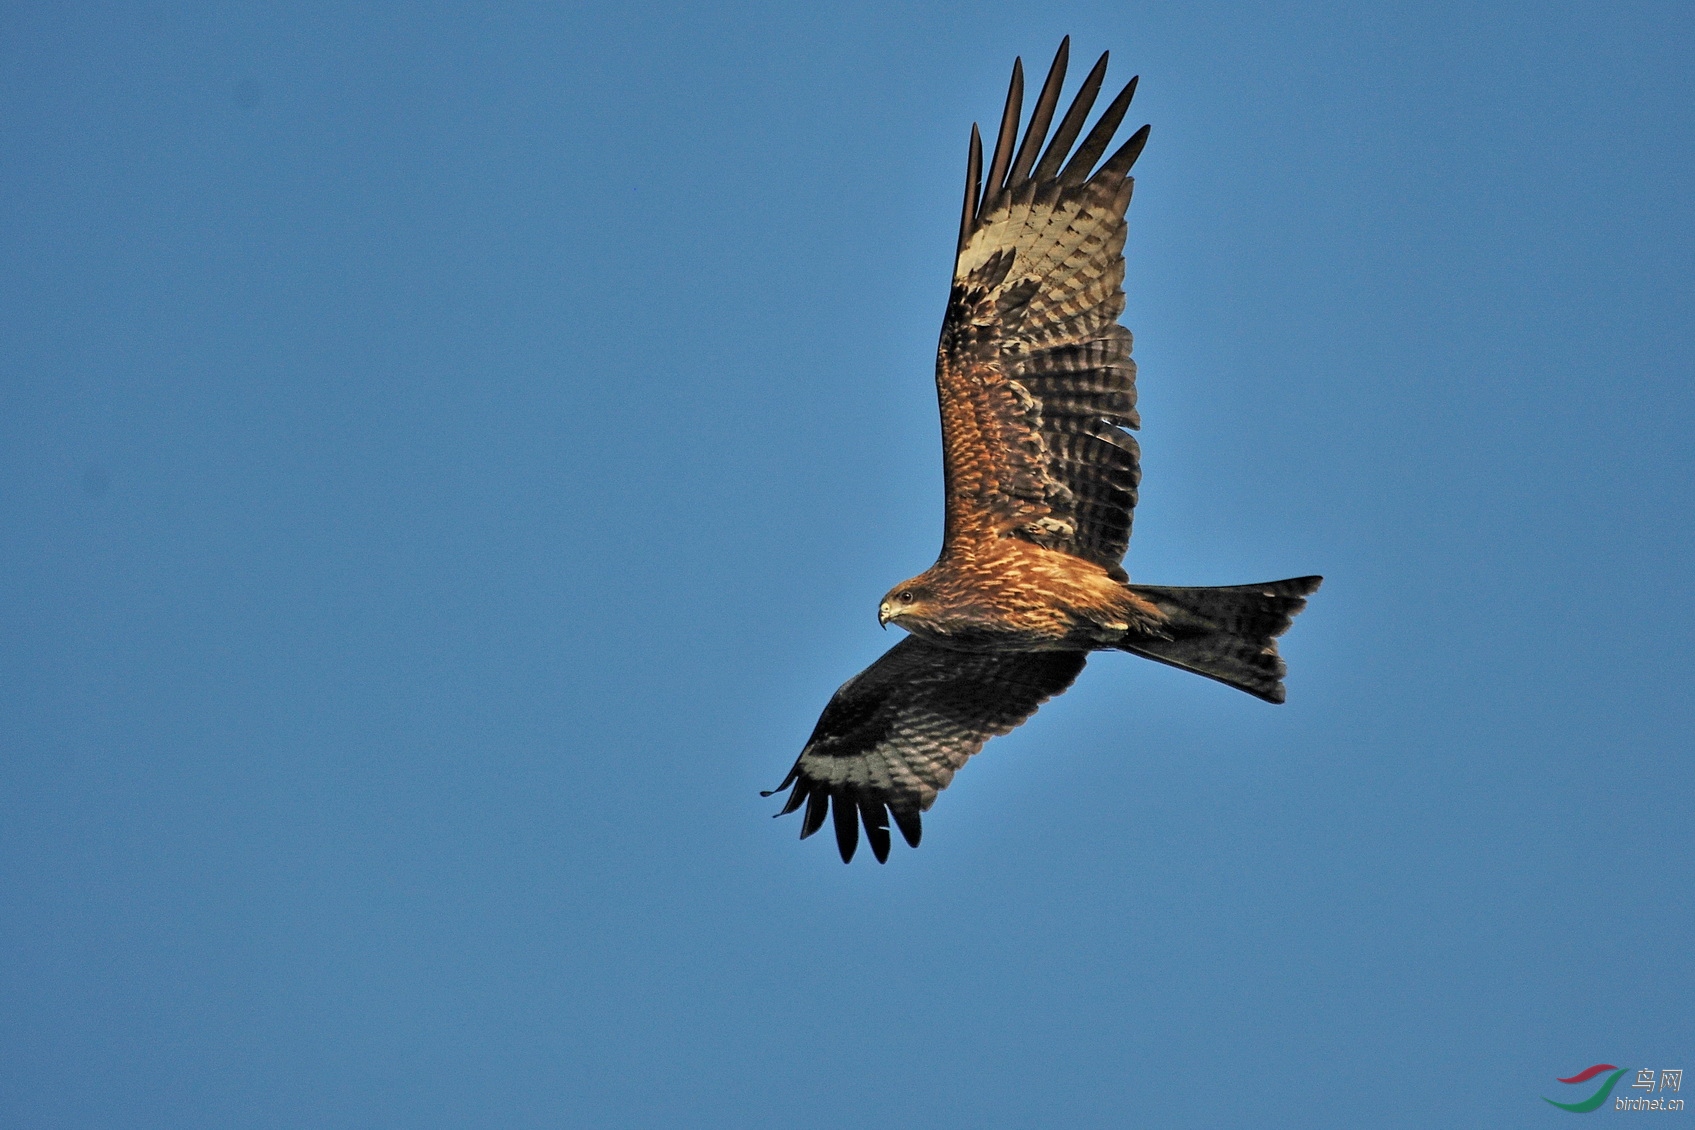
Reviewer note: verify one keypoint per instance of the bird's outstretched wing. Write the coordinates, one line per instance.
(1033, 371)
(894, 735)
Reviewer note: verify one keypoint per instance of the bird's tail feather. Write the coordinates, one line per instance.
(1227, 633)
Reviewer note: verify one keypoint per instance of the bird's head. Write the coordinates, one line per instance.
(905, 603)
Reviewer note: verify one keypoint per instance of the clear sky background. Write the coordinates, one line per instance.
(450, 453)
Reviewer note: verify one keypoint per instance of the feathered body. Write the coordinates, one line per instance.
(1013, 595)
(1037, 391)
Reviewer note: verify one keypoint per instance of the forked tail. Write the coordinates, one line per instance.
(1228, 633)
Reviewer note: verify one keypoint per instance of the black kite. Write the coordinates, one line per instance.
(1037, 388)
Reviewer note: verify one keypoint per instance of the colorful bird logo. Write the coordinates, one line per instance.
(1598, 1097)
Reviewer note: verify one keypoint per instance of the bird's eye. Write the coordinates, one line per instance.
(905, 597)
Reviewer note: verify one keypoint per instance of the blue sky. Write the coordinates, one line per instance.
(450, 453)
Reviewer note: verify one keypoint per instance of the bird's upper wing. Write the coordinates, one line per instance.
(894, 735)
(1034, 371)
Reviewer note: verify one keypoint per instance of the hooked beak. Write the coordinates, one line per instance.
(883, 617)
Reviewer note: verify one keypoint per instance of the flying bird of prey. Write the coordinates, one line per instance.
(1037, 388)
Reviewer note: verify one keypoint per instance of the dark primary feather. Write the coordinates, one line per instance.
(973, 186)
(1002, 159)
(1119, 163)
(1042, 116)
(1034, 372)
(894, 735)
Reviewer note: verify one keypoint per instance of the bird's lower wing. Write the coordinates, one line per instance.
(894, 735)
